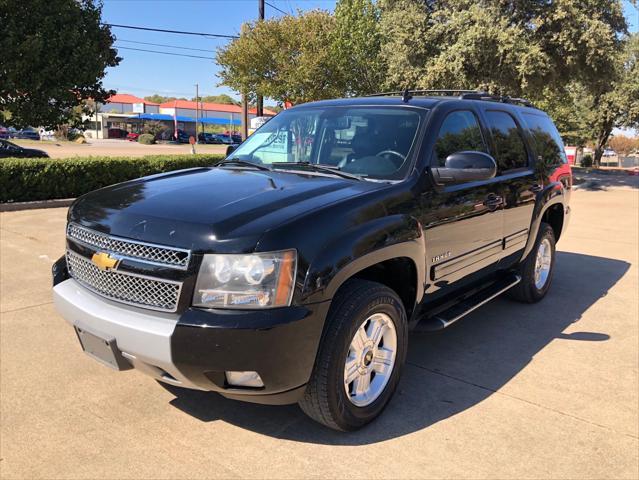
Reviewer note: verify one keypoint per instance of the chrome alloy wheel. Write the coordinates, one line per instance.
(542, 264)
(370, 360)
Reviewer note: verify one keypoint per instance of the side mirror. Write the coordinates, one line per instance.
(230, 149)
(469, 166)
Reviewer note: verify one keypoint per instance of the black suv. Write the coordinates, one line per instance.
(294, 270)
(10, 149)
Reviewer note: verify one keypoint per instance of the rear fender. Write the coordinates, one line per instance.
(552, 194)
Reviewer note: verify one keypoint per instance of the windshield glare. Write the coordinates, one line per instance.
(372, 142)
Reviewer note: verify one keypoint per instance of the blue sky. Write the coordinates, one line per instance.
(142, 73)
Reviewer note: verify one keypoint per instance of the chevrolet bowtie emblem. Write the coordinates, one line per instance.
(104, 261)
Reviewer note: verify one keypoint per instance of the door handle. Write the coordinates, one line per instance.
(493, 201)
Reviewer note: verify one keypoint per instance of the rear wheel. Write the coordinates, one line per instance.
(536, 271)
(360, 359)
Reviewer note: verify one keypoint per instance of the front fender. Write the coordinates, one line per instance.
(381, 239)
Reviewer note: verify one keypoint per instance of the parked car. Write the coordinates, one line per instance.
(609, 152)
(27, 134)
(12, 132)
(117, 133)
(206, 137)
(183, 137)
(10, 149)
(132, 136)
(295, 270)
(225, 139)
(4, 132)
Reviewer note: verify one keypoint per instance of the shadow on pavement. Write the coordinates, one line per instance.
(447, 372)
(601, 181)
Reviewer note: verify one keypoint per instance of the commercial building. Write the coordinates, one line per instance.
(127, 113)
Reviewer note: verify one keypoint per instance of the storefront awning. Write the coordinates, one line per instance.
(220, 121)
(206, 120)
(164, 117)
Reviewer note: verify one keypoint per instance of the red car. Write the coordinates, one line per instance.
(132, 137)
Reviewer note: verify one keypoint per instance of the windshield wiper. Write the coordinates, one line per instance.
(242, 163)
(319, 168)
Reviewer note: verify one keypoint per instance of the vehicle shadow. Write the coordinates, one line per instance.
(446, 372)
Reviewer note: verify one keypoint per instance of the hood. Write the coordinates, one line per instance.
(209, 209)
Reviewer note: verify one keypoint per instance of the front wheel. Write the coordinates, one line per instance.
(361, 357)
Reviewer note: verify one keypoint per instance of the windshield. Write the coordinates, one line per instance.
(371, 142)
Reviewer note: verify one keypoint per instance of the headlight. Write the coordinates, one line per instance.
(259, 280)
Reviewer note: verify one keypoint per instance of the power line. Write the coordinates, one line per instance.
(164, 53)
(165, 45)
(275, 8)
(216, 35)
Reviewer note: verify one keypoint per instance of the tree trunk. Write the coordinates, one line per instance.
(602, 140)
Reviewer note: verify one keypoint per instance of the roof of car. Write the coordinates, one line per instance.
(425, 101)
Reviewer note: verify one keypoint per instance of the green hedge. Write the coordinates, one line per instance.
(146, 139)
(29, 179)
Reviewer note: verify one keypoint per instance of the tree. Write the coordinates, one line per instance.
(54, 57)
(222, 98)
(458, 44)
(404, 27)
(356, 45)
(155, 98)
(624, 145)
(517, 48)
(154, 128)
(616, 102)
(286, 59)
(568, 107)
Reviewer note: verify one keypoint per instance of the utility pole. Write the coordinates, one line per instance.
(244, 117)
(260, 99)
(197, 111)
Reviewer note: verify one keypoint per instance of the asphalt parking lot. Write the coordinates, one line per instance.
(114, 148)
(512, 391)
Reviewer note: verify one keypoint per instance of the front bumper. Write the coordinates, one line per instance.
(195, 349)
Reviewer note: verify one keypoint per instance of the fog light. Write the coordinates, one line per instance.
(244, 379)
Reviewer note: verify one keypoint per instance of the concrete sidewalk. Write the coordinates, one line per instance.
(512, 391)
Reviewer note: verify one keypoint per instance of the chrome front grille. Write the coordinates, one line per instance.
(147, 292)
(122, 247)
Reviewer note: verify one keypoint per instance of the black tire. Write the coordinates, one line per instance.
(526, 291)
(325, 399)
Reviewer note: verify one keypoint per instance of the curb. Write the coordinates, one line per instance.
(17, 206)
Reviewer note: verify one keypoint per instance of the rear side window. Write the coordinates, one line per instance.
(459, 132)
(510, 149)
(546, 140)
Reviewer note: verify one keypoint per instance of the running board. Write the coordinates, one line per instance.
(447, 317)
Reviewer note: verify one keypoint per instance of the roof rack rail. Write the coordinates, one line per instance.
(462, 94)
(444, 92)
(497, 98)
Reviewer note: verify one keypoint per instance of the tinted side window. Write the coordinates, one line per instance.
(509, 145)
(546, 140)
(460, 131)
